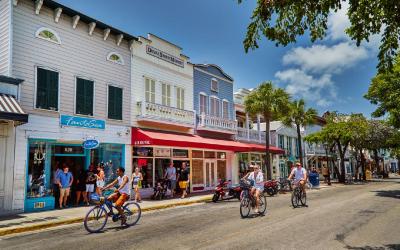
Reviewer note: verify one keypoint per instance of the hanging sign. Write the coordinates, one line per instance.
(82, 122)
(90, 144)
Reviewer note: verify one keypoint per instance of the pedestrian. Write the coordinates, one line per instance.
(184, 178)
(65, 180)
(56, 188)
(137, 178)
(170, 175)
(81, 186)
(91, 179)
(100, 183)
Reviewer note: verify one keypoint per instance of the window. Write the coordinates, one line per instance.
(214, 85)
(225, 109)
(47, 89)
(297, 148)
(180, 98)
(289, 145)
(48, 35)
(115, 58)
(214, 106)
(150, 89)
(166, 94)
(114, 103)
(203, 104)
(84, 97)
(281, 141)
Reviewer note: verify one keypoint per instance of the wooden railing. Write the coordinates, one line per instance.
(217, 123)
(165, 113)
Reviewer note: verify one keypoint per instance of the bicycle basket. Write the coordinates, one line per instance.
(245, 184)
(96, 199)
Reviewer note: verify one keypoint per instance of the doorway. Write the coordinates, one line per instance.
(210, 174)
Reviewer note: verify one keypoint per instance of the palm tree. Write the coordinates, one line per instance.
(300, 117)
(270, 102)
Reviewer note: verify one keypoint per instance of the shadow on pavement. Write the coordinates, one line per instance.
(388, 193)
(389, 246)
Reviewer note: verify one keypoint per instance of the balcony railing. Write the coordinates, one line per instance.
(250, 135)
(158, 112)
(212, 122)
(315, 149)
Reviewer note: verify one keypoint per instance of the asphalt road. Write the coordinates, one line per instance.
(345, 217)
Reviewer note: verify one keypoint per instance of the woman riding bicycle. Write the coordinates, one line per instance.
(257, 179)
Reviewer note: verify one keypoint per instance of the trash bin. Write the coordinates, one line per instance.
(314, 179)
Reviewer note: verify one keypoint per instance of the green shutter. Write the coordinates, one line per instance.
(114, 103)
(89, 97)
(84, 96)
(118, 104)
(79, 100)
(47, 89)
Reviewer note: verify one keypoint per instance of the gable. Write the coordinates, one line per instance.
(214, 70)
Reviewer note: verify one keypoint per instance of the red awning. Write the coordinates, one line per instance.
(141, 137)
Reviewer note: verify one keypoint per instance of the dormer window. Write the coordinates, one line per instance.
(48, 35)
(214, 85)
(115, 58)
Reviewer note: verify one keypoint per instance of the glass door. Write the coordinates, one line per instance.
(210, 174)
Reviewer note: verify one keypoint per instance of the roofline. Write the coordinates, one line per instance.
(10, 80)
(216, 66)
(162, 39)
(86, 19)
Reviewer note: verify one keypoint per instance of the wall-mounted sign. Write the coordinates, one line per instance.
(82, 122)
(66, 149)
(38, 205)
(164, 56)
(90, 144)
(162, 152)
(180, 153)
(142, 142)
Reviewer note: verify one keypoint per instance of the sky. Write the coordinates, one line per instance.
(332, 74)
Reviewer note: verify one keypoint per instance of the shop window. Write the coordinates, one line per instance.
(48, 35)
(221, 155)
(47, 83)
(162, 152)
(115, 58)
(197, 172)
(243, 164)
(160, 168)
(209, 154)
(111, 156)
(150, 90)
(143, 151)
(84, 97)
(166, 94)
(221, 170)
(145, 166)
(180, 153)
(114, 103)
(38, 181)
(197, 154)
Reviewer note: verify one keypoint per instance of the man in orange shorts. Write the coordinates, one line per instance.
(120, 195)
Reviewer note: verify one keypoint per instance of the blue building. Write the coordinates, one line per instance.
(213, 101)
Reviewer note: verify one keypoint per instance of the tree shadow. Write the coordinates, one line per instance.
(385, 247)
(388, 193)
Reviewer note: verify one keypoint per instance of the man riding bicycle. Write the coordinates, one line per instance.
(300, 176)
(257, 179)
(120, 195)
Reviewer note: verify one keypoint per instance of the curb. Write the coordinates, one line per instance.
(4, 232)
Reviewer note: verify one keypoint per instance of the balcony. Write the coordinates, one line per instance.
(216, 124)
(157, 113)
(315, 149)
(250, 135)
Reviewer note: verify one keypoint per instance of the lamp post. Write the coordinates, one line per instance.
(326, 146)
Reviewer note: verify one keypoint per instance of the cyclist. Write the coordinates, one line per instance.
(257, 179)
(300, 176)
(120, 195)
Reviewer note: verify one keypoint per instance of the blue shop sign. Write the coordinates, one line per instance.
(90, 144)
(82, 122)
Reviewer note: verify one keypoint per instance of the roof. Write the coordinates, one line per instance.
(86, 19)
(215, 66)
(11, 110)
(10, 80)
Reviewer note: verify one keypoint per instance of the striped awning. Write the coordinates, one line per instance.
(11, 110)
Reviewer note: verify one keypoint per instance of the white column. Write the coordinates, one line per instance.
(247, 126)
(235, 167)
(259, 127)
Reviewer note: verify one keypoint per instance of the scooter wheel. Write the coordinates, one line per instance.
(215, 198)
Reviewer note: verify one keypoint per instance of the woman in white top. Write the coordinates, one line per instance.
(137, 177)
(100, 183)
(257, 177)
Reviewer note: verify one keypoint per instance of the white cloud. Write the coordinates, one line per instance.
(320, 90)
(338, 22)
(326, 59)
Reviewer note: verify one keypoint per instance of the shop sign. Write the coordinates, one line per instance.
(180, 153)
(38, 205)
(162, 152)
(82, 122)
(142, 142)
(164, 56)
(90, 144)
(61, 149)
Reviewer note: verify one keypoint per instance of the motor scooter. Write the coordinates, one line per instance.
(271, 187)
(222, 193)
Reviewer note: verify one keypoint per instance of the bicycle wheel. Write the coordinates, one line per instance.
(295, 200)
(303, 198)
(245, 207)
(262, 204)
(133, 212)
(95, 219)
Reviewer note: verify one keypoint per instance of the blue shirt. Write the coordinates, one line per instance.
(64, 178)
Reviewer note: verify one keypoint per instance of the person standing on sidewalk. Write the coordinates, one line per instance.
(137, 177)
(170, 175)
(184, 178)
(65, 180)
(91, 179)
(56, 188)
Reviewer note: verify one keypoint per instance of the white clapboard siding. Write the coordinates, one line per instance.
(78, 55)
(5, 14)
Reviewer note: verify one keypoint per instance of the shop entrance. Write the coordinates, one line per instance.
(210, 176)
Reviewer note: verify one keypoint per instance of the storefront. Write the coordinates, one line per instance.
(55, 145)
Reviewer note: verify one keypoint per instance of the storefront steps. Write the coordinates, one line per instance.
(41, 220)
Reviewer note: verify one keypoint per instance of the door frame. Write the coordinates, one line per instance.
(210, 161)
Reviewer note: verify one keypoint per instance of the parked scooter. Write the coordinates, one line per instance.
(271, 187)
(220, 191)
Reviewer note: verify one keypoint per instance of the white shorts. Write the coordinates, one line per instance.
(100, 184)
(90, 188)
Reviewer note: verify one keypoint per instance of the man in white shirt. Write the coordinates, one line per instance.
(300, 176)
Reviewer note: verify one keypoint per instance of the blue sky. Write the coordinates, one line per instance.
(332, 74)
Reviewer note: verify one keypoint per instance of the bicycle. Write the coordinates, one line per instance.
(298, 196)
(248, 201)
(96, 218)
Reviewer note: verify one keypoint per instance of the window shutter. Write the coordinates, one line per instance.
(79, 102)
(111, 102)
(89, 89)
(53, 90)
(47, 89)
(118, 104)
(114, 103)
(41, 98)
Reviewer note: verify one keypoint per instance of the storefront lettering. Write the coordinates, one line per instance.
(66, 120)
(164, 56)
(142, 142)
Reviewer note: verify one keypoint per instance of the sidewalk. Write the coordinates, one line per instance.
(35, 221)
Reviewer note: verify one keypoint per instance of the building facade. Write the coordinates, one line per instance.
(76, 88)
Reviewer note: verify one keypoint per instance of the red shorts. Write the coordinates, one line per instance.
(119, 199)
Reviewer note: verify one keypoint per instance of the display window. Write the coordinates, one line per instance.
(145, 166)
